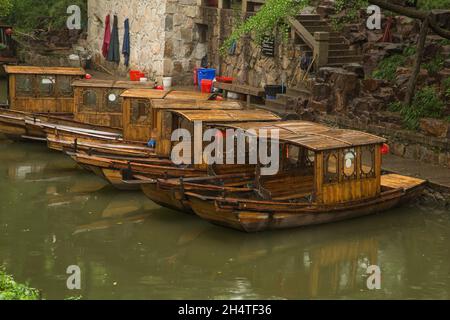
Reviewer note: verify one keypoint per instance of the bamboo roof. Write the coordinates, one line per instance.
(313, 136)
(112, 84)
(196, 105)
(144, 93)
(227, 115)
(45, 70)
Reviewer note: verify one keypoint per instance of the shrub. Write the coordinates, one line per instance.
(11, 290)
(435, 65)
(388, 67)
(426, 104)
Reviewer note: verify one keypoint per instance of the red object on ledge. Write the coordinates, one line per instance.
(385, 149)
(136, 75)
(207, 86)
(225, 79)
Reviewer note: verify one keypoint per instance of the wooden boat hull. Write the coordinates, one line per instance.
(97, 145)
(255, 221)
(153, 168)
(166, 198)
(29, 126)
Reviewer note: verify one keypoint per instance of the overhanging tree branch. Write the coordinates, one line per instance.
(414, 13)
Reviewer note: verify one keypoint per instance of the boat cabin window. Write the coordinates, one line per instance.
(46, 85)
(140, 111)
(349, 164)
(113, 101)
(64, 86)
(331, 160)
(297, 157)
(25, 85)
(368, 162)
(89, 100)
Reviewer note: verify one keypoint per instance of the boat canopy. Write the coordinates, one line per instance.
(197, 104)
(111, 84)
(45, 70)
(313, 136)
(227, 115)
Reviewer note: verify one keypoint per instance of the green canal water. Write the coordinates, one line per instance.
(54, 215)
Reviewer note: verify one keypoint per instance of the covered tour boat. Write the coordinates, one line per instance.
(139, 113)
(160, 164)
(325, 175)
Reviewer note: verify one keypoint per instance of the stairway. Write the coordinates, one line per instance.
(339, 52)
(281, 105)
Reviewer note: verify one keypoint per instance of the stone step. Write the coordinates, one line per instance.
(332, 53)
(344, 59)
(333, 47)
(313, 23)
(298, 92)
(276, 105)
(308, 17)
(325, 28)
(339, 46)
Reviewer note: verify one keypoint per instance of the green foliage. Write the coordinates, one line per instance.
(434, 4)
(435, 65)
(11, 290)
(426, 104)
(27, 15)
(351, 8)
(5, 7)
(266, 22)
(387, 68)
(446, 87)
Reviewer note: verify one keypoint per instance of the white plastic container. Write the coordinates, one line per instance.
(167, 83)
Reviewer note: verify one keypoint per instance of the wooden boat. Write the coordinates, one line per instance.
(143, 115)
(325, 175)
(42, 89)
(159, 164)
(96, 107)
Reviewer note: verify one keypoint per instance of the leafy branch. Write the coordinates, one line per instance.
(271, 17)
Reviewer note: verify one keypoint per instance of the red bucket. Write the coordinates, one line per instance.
(136, 75)
(207, 86)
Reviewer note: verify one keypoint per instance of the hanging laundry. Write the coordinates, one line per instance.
(107, 37)
(126, 42)
(114, 46)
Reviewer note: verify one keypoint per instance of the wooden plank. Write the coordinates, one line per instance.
(45, 70)
(187, 95)
(227, 115)
(145, 94)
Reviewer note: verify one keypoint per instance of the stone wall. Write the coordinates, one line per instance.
(343, 97)
(183, 48)
(248, 65)
(147, 33)
(170, 38)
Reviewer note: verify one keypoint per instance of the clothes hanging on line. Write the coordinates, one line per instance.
(126, 42)
(114, 46)
(107, 36)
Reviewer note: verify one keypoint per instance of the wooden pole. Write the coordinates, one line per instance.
(417, 63)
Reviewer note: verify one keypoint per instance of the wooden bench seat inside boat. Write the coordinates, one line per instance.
(288, 186)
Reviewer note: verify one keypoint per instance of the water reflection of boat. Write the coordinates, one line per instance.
(309, 264)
